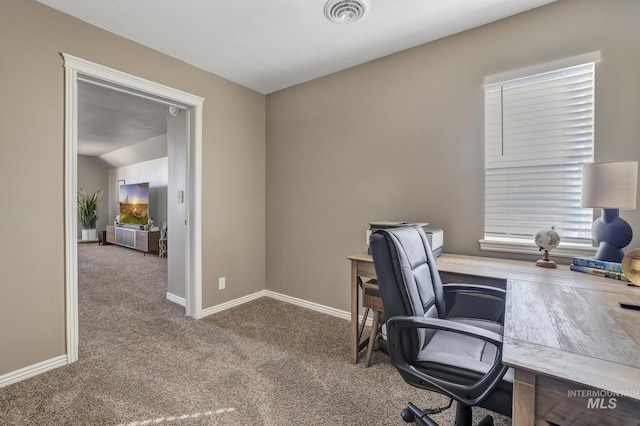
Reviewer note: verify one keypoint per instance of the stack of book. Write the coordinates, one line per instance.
(601, 268)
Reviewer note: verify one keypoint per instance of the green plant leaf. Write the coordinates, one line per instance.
(88, 208)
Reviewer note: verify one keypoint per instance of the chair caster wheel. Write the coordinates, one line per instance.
(407, 416)
(487, 421)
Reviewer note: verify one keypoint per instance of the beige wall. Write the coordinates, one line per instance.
(401, 138)
(32, 327)
(398, 138)
(93, 174)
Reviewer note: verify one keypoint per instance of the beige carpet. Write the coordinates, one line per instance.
(263, 363)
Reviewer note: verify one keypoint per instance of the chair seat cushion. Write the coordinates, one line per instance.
(448, 352)
(464, 359)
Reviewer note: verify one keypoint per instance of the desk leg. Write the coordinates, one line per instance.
(524, 397)
(355, 303)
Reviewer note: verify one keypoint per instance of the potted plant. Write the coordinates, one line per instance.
(88, 213)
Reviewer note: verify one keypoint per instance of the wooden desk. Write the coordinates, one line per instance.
(565, 337)
(361, 269)
(453, 268)
(565, 343)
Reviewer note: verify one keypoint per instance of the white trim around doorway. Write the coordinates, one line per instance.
(77, 69)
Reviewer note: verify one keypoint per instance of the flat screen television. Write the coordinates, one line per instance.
(134, 204)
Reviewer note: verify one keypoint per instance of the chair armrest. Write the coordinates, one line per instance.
(475, 288)
(470, 394)
(474, 301)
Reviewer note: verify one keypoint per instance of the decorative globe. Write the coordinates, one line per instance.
(547, 239)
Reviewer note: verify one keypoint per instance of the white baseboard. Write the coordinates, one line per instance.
(346, 315)
(309, 305)
(231, 304)
(176, 299)
(288, 299)
(284, 298)
(32, 370)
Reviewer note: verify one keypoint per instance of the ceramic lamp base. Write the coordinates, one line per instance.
(612, 233)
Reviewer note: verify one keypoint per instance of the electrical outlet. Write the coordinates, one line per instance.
(221, 283)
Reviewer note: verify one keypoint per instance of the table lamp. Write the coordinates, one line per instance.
(610, 186)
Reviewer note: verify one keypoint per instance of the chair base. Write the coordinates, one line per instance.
(463, 415)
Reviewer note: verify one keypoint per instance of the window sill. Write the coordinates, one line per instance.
(507, 245)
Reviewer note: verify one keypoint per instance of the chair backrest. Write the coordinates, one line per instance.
(408, 279)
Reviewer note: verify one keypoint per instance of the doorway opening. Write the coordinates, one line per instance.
(79, 70)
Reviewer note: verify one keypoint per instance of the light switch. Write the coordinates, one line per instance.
(180, 197)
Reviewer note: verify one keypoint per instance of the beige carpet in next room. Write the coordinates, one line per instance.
(263, 363)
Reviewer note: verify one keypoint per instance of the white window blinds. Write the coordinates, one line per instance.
(538, 133)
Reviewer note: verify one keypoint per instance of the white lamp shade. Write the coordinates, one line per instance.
(610, 185)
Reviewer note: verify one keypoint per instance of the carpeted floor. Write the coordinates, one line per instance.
(141, 362)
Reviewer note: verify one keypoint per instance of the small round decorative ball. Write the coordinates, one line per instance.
(547, 239)
(631, 266)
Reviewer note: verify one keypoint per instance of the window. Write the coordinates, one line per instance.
(538, 133)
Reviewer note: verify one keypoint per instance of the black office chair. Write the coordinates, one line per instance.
(458, 357)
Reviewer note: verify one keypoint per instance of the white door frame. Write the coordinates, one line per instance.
(75, 70)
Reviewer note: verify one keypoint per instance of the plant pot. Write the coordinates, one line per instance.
(89, 235)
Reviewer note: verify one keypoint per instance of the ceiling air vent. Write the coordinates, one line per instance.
(346, 11)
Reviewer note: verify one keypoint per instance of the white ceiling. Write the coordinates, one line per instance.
(109, 120)
(265, 45)
(120, 128)
(268, 45)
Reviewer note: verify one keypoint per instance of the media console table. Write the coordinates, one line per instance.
(574, 351)
(137, 239)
